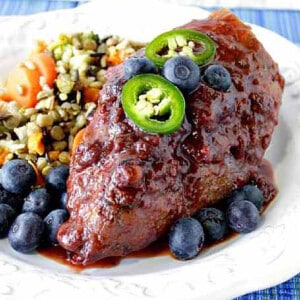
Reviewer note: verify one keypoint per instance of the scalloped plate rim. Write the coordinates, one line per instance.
(264, 281)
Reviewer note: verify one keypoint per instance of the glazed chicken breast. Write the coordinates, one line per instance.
(127, 187)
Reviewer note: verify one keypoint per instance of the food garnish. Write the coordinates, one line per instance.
(191, 43)
(153, 103)
(183, 72)
(138, 65)
(186, 238)
(26, 232)
(217, 77)
(243, 216)
(213, 221)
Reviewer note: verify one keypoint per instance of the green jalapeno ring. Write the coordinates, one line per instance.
(180, 38)
(162, 113)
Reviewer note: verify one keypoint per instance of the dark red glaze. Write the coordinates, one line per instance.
(265, 181)
(126, 187)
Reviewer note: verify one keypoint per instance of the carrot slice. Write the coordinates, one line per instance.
(114, 59)
(46, 66)
(23, 85)
(90, 94)
(77, 139)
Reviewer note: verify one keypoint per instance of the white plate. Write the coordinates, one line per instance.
(261, 259)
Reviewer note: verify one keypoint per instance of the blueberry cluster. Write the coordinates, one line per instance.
(30, 216)
(182, 72)
(242, 214)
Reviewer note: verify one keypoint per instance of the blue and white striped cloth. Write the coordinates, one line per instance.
(286, 22)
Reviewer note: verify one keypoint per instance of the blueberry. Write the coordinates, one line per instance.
(63, 200)
(17, 176)
(213, 221)
(217, 77)
(56, 180)
(250, 193)
(26, 232)
(242, 216)
(52, 223)
(182, 72)
(39, 202)
(14, 200)
(139, 65)
(186, 238)
(7, 216)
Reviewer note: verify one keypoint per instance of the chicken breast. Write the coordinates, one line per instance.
(127, 187)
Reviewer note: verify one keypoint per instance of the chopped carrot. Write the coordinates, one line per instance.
(90, 94)
(46, 66)
(114, 59)
(77, 139)
(53, 155)
(23, 85)
(35, 143)
(3, 153)
(39, 178)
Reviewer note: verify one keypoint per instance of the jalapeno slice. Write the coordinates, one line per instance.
(153, 103)
(194, 44)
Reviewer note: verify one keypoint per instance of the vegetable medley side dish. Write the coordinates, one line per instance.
(49, 99)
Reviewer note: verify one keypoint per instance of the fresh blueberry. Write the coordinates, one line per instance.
(52, 223)
(250, 193)
(63, 200)
(242, 216)
(217, 77)
(186, 238)
(182, 72)
(213, 221)
(7, 216)
(39, 202)
(17, 176)
(14, 200)
(26, 232)
(138, 65)
(56, 180)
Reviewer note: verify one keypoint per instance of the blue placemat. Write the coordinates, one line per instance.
(26, 7)
(284, 22)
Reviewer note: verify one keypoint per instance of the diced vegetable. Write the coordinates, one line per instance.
(35, 143)
(23, 85)
(3, 153)
(77, 139)
(39, 178)
(90, 94)
(114, 59)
